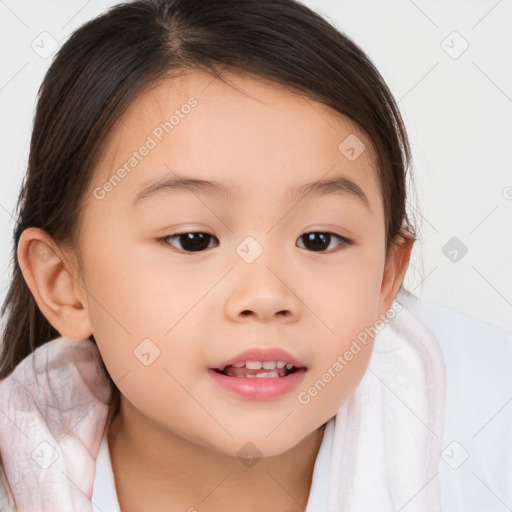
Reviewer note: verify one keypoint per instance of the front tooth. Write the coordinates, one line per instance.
(253, 365)
(281, 364)
(289, 366)
(272, 374)
(269, 365)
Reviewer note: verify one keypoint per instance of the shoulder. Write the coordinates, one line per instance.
(478, 414)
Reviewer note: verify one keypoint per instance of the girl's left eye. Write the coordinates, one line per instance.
(197, 241)
(318, 240)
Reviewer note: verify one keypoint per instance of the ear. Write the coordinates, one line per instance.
(53, 284)
(397, 262)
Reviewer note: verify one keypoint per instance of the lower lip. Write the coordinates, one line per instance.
(258, 388)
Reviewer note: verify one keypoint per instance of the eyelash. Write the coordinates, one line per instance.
(164, 240)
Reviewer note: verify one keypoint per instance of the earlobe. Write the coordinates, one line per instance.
(395, 269)
(54, 288)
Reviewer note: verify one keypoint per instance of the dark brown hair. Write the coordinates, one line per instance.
(110, 60)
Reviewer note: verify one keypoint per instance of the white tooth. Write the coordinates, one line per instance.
(280, 364)
(238, 365)
(269, 365)
(221, 368)
(271, 374)
(253, 365)
(250, 376)
(289, 366)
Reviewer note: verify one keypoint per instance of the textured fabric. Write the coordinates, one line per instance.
(388, 434)
(53, 414)
(476, 470)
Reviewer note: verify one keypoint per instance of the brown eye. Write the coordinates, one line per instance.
(190, 242)
(319, 241)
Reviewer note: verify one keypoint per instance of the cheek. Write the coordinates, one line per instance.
(344, 296)
(144, 296)
(144, 325)
(331, 383)
(144, 315)
(346, 305)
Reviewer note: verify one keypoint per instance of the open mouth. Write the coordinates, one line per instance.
(258, 369)
(259, 379)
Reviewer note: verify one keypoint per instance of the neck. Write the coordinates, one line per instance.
(156, 469)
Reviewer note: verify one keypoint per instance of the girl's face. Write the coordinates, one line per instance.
(166, 310)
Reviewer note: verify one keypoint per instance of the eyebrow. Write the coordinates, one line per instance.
(185, 183)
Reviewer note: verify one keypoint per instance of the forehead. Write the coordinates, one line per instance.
(253, 135)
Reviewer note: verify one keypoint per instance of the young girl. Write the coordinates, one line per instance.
(211, 236)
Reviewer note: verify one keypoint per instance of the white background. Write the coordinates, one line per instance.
(458, 113)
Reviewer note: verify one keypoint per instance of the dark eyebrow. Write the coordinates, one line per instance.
(181, 183)
(337, 185)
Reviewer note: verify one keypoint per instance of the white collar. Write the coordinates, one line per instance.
(104, 496)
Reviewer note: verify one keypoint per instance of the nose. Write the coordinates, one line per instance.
(264, 294)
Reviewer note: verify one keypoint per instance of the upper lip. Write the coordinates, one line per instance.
(262, 354)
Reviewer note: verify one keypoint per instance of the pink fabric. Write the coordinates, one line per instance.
(53, 412)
